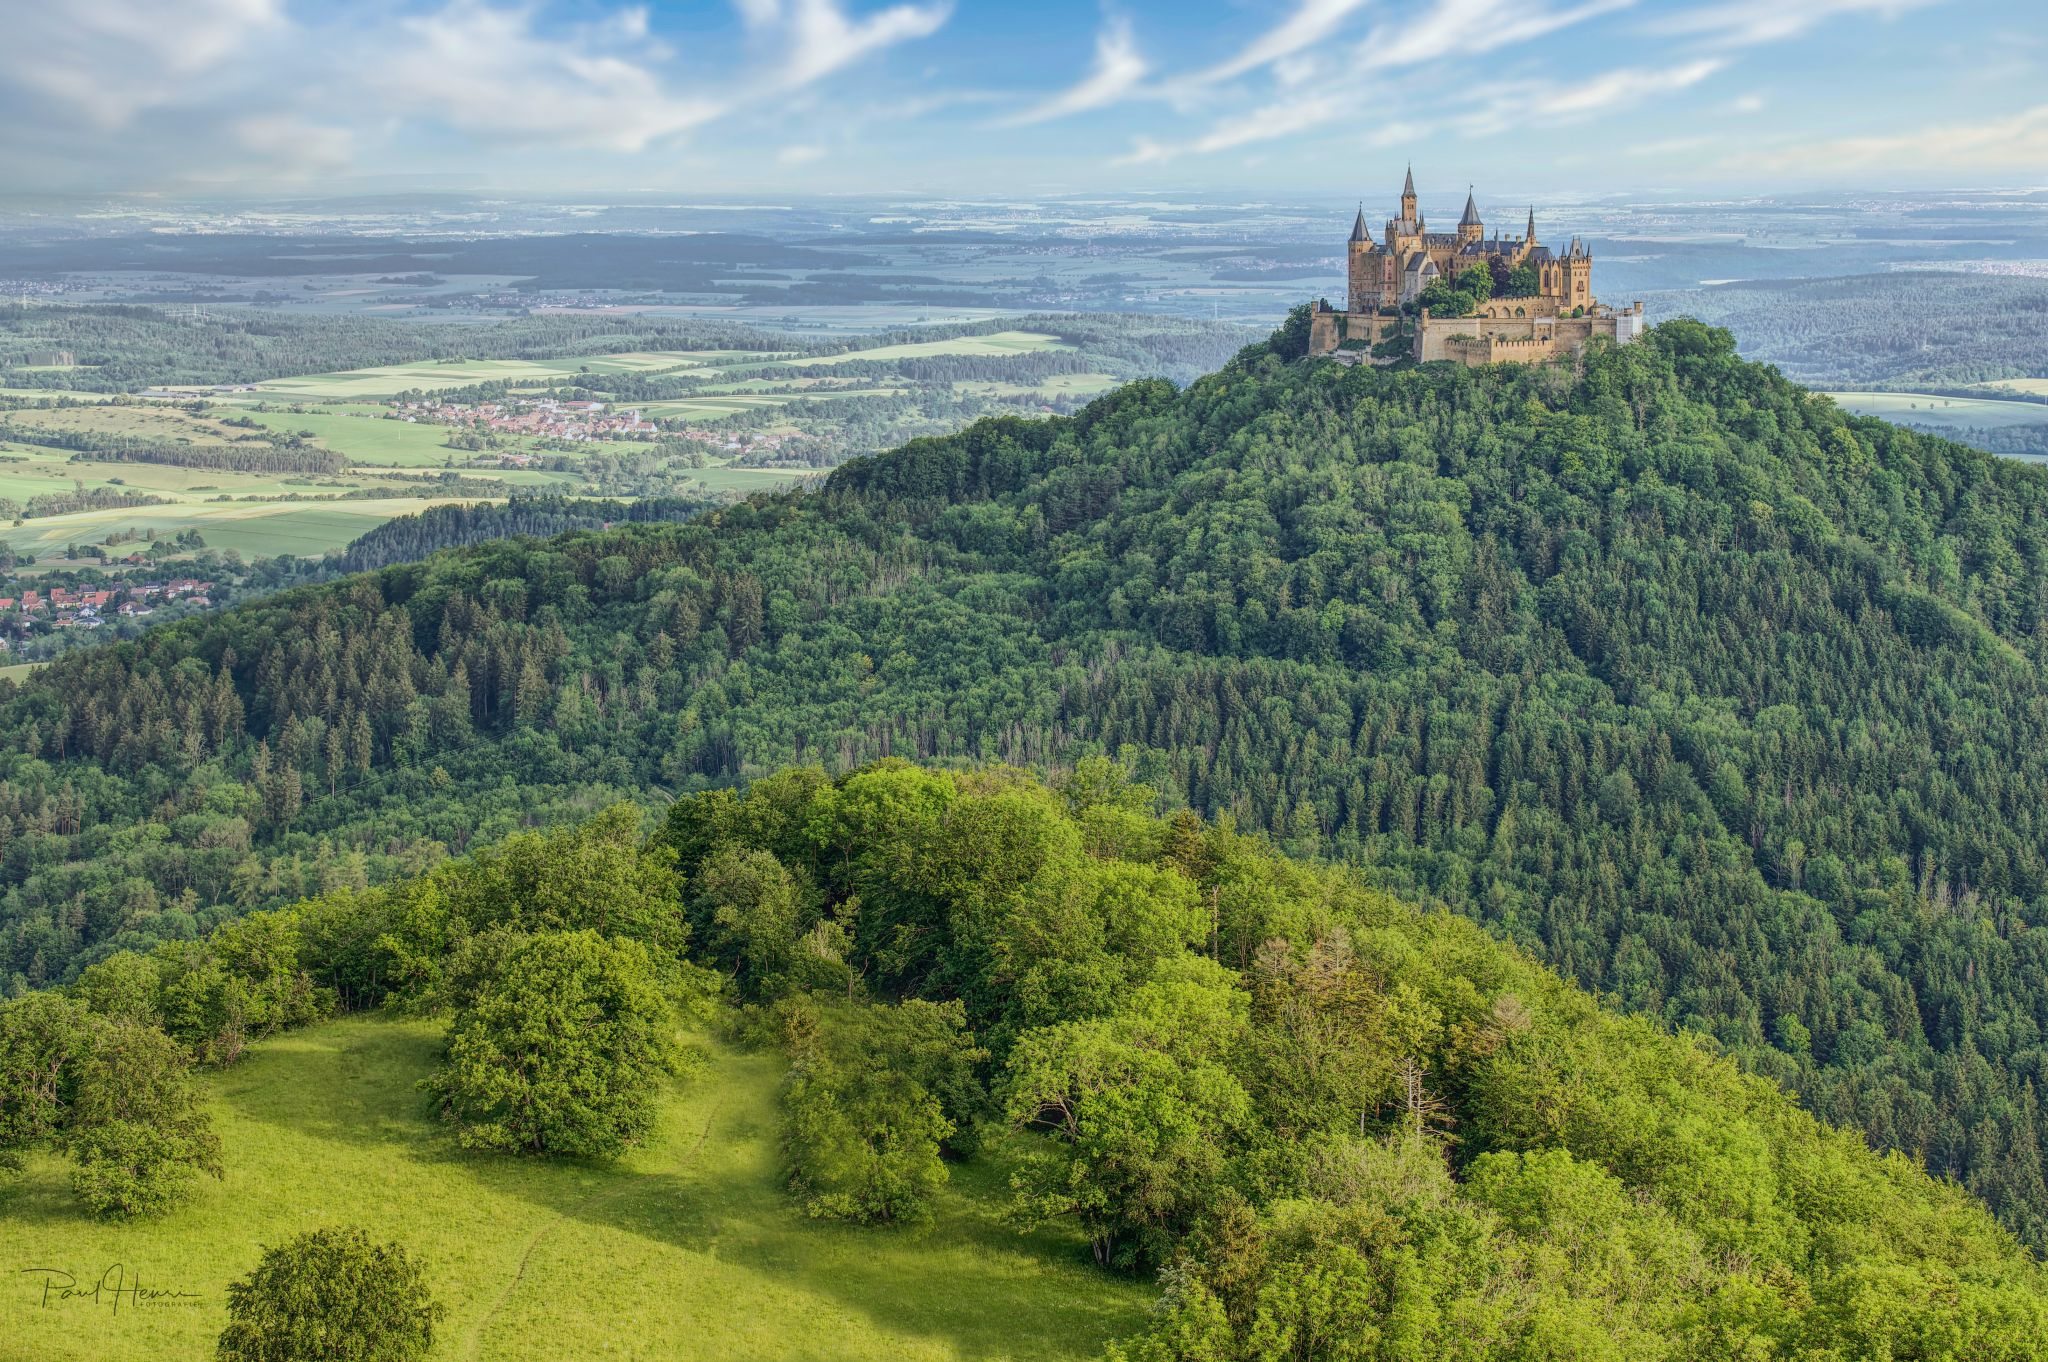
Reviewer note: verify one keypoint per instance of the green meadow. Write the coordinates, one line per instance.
(686, 1249)
(256, 529)
(1000, 343)
(1935, 412)
(386, 380)
(367, 437)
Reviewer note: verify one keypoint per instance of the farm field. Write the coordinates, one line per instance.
(366, 437)
(1001, 343)
(687, 1248)
(1058, 385)
(255, 529)
(1924, 409)
(391, 463)
(2034, 387)
(396, 378)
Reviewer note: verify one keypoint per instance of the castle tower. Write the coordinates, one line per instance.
(1578, 276)
(1362, 268)
(1408, 198)
(1469, 226)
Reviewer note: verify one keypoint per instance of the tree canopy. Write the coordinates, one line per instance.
(1725, 703)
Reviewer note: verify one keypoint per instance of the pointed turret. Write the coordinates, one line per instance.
(1531, 235)
(1470, 229)
(1358, 232)
(1408, 185)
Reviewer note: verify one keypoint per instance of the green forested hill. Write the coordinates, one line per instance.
(1725, 703)
(998, 1061)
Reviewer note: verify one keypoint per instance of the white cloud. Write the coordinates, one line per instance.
(1119, 69)
(487, 72)
(110, 59)
(1283, 118)
(1502, 106)
(291, 143)
(2018, 142)
(1747, 104)
(822, 38)
(1313, 22)
(1748, 22)
(1470, 27)
(799, 156)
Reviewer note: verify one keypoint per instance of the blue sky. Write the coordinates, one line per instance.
(979, 98)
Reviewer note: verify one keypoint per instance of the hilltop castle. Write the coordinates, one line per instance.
(1535, 303)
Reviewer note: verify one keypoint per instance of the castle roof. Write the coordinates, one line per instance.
(1531, 233)
(1541, 255)
(1358, 232)
(1408, 185)
(1471, 218)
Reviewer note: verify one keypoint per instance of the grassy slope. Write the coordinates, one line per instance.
(687, 1249)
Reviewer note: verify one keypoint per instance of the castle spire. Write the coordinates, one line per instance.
(1358, 232)
(1408, 185)
(1471, 218)
(1532, 224)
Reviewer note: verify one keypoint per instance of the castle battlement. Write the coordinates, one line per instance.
(1534, 302)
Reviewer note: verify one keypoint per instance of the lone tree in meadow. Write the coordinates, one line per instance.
(331, 1296)
(560, 1047)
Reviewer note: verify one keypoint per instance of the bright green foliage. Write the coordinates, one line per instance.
(331, 1295)
(126, 987)
(560, 1049)
(1341, 1127)
(136, 1133)
(594, 877)
(875, 1094)
(241, 983)
(41, 1037)
(1146, 1104)
(111, 1093)
(746, 909)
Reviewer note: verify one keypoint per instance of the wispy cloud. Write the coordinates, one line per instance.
(1310, 24)
(1501, 106)
(1283, 118)
(1510, 105)
(489, 73)
(1451, 28)
(294, 145)
(107, 60)
(822, 37)
(1119, 69)
(2015, 142)
(1749, 22)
